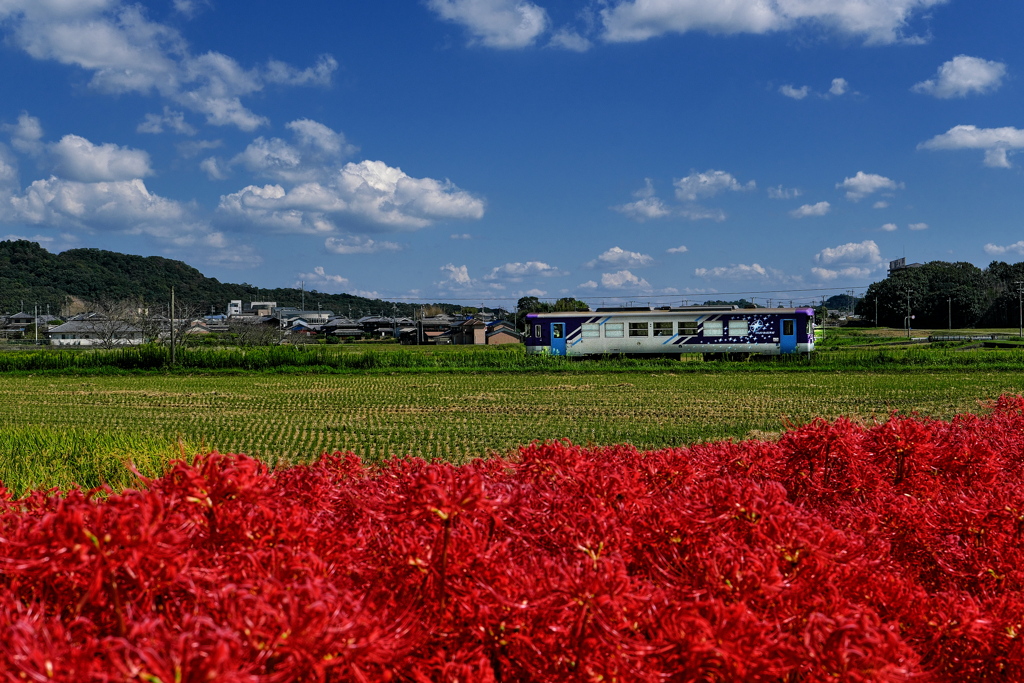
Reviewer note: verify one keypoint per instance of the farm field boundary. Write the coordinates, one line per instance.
(289, 418)
(347, 360)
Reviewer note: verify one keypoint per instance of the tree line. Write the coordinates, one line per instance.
(940, 294)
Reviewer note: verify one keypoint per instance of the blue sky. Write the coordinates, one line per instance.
(482, 150)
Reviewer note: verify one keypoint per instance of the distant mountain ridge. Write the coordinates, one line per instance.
(32, 276)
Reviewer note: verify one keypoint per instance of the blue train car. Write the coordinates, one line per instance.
(717, 331)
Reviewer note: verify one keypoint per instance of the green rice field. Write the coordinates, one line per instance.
(62, 429)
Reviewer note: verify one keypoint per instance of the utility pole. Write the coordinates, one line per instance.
(35, 324)
(906, 320)
(172, 326)
(950, 302)
(1020, 306)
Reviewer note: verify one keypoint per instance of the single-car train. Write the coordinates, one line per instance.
(716, 331)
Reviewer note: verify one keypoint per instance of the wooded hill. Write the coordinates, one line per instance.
(31, 276)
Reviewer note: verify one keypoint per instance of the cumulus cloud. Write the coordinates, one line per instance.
(839, 87)
(681, 249)
(646, 207)
(708, 184)
(370, 192)
(461, 236)
(876, 21)
(618, 257)
(819, 209)
(917, 226)
(866, 252)
(127, 52)
(26, 134)
(320, 279)
(624, 279)
(515, 272)
(356, 244)
(997, 250)
(889, 227)
(962, 76)
(863, 184)
(126, 207)
(794, 92)
(880, 204)
(997, 143)
(456, 277)
(78, 159)
(495, 23)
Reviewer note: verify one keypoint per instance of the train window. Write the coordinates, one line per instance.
(788, 328)
(739, 328)
(687, 328)
(536, 331)
(557, 331)
(713, 328)
(591, 330)
(663, 329)
(614, 330)
(639, 329)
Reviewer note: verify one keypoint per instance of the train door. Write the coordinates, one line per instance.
(787, 340)
(557, 339)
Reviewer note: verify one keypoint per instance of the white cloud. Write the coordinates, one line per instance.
(734, 272)
(320, 279)
(708, 184)
(996, 250)
(863, 184)
(169, 120)
(78, 159)
(866, 252)
(695, 212)
(839, 87)
(570, 40)
(647, 206)
(624, 279)
(286, 74)
(127, 52)
(819, 209)
(997, 142)
(355, 244)
(618, 257)
(780, 192)
(889, 227)
(880, 204)
(589, 284)
(963, 75)
(461, 236)
(126, 207)
(515, 272)
(681, 249)
(495, 23)
(121, 205)
(918, 226)
(828, 275)
(26, 135)
(876, 21)
(213, 169)
(795, 93)
(458, 276)
(370, 192)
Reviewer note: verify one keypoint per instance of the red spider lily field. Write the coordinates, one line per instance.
(889, 551)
